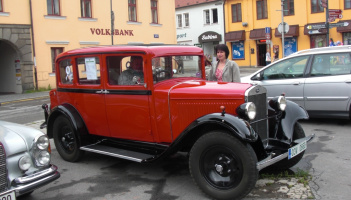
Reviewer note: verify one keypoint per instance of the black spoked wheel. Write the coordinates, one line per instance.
(222, 166)
(285, 163)
(66, 141)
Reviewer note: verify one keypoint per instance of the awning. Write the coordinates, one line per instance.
(235, 36)
(344, 28)
(293, 32)
(321, 31)
(258, 34)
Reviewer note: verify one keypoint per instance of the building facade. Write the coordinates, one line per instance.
(34, 32)
(253, 27)
(200, 23)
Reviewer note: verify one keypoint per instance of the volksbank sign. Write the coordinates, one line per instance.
(209, 36)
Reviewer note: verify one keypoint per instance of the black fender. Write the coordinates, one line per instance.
(293, 113)
(236, 126)
(73, 116)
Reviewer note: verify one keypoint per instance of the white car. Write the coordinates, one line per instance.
(317, 79)
(24, 160)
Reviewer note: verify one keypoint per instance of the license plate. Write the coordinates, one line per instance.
(297, 149)
(8, 196)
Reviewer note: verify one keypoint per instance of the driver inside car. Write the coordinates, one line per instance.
(133, 75)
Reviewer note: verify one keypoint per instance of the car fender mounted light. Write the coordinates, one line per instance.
(247, 111)
(24, 163)
(278, 103)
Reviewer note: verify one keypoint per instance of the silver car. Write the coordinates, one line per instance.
(24, 160)
(317, 79)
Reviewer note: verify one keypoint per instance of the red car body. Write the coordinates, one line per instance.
(167, 107)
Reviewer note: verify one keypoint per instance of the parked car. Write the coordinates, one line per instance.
(317, 79)
(143, 103)
(24, 160)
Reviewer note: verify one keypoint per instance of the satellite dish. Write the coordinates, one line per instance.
(286, 27)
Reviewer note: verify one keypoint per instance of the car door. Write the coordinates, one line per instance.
(328, 88)
(285, 76)
(127, 98)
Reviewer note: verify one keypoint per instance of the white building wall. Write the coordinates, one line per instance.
(189, 35)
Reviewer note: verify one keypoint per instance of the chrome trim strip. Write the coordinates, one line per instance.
(111, 154)
(327, 98)
(270, 160)
(36, 176)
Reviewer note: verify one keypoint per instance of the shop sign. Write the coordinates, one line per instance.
(106, 31)
(209, 36)
(179, 36)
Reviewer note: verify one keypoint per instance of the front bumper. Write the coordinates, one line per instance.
(271, 159)
(34, 181)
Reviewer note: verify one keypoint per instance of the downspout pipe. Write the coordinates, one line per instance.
(34, 58)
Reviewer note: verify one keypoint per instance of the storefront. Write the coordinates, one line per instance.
(346, 32)
(318, 37)
(290, 40)
(208, 40)
(261, 44)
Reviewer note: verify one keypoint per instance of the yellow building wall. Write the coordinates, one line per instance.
(16, 14)
(70, 30)
(301, 17)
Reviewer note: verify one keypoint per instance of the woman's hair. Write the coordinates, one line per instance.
(224, 48)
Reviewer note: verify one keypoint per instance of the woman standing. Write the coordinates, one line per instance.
(225, 70)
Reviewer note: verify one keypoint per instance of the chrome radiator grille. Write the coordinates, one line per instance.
(3, 169)
(258, 95)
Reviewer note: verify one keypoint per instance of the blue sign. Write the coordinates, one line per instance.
(156, 36)
(290, 46)
(267, 30)
(238, 50)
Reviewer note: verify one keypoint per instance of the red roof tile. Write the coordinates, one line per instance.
(184, 3)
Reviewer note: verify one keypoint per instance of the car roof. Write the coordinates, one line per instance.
(155, 50)
(344, 48)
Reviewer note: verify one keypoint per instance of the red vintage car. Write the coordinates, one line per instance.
(143, 103)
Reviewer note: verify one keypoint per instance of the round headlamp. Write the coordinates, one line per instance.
(42, 142)
(43, 158)
(278, 103)
(247, 111)
(24, 163)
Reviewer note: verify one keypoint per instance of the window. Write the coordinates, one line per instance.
(207, 16)
(214, 16)
(186, 19)
(262, 9)
(316, 6)
(53, 7)
(1, 7)
(85, 8)
(132, 10)
(55, 51)
(236, 13)
(154, 11)
(347, 4)
(291, 68)
(289, 7)
(179, 21)
(331, 64)
(132, 71)
(66, 71)
(88, 71)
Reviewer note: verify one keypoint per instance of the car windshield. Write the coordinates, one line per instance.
(168, 67)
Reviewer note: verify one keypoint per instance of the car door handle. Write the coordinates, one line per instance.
(100, 92)
(348, 81)
(296, 83)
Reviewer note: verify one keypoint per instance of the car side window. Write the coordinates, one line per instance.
(88, 70)
(331, 64)
(132, 70)
(66, 71)
(290, 68)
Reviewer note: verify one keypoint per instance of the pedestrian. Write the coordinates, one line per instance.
(331, 42)
(268, 58)
(225, 70)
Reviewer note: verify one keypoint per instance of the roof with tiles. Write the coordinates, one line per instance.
(184, 3)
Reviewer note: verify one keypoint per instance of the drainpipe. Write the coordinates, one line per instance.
(32, 31)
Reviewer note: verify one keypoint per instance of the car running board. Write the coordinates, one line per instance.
(119, 153)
